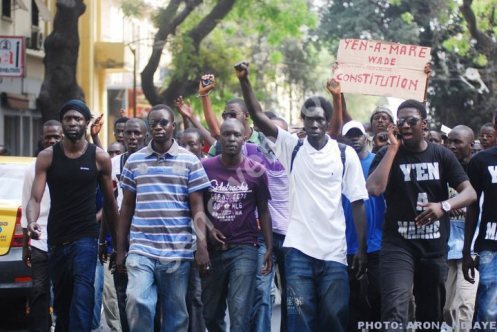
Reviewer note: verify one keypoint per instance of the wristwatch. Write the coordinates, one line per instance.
(446, 206)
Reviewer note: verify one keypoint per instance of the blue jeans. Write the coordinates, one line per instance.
(486, 296)
(263, 306)
(99, 288)
(149, 280)
(317, 293)
(232, 277)
(72, 270)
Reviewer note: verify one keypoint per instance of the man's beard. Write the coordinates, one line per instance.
(74, 136)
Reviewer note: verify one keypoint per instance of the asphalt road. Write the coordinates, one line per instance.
(12, 319)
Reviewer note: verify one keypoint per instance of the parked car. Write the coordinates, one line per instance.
(15, 277)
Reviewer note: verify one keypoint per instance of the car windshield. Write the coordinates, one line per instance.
(11, 177)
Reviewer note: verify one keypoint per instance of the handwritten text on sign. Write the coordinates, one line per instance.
(382, 68)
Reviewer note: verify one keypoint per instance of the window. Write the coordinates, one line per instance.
(7, 8)
(13, 134)
(22, 132)
(35, 14)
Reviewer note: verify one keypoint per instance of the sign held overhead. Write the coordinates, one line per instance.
(382, 68)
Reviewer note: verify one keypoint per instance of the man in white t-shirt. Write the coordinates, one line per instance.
(34, 252)
(319, 172)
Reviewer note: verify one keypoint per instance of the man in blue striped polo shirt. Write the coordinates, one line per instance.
(162, 189)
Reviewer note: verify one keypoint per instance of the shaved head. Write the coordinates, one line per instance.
(230, 122)
(465, 132)
(140, 122)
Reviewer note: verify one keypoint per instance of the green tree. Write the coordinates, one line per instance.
(451, 32)
(211, 36)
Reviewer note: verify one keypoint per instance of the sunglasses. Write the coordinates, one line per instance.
(411, 121)
(161, 122)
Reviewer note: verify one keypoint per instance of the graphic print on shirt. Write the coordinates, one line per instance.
(493, 173)
(422, 171)
(491, 233)
(227, 199)
(410, 231)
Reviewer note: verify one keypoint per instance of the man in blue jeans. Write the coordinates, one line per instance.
(72, 168)
(482, 172)
(162, 191)
(239, 189)
(316, 263)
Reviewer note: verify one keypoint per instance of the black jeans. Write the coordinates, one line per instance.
(279, 255)
(400, 270)
(121, 283)
(365, 298)
(39, 317)
(194, 302)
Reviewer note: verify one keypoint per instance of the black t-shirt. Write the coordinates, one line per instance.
(482, 171)
(419, 177)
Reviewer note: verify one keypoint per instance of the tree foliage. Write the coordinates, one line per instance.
(213, 35)
(460, 38)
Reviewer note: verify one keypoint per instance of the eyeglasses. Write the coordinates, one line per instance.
(411, 121)
(161, 122)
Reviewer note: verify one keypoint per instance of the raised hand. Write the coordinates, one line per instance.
(334, 87)
(242, 69)
(428, 69)
(207, 84)
(184, 108)
(96, 126)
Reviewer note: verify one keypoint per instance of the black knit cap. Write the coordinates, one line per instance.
(76, 105)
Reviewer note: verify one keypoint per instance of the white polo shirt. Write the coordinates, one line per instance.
(317, 221)
(42, 221)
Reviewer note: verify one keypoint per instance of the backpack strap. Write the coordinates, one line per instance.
(294, 152)
(342, 148)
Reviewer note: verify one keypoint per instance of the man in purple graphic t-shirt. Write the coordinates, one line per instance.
(238, 189)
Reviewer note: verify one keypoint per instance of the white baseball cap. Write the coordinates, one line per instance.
(351, 125)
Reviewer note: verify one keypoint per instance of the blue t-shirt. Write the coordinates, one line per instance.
(375, 209)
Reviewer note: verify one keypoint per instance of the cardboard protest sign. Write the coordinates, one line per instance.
(382, 68)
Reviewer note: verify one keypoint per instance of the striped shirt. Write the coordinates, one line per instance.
(161, 227)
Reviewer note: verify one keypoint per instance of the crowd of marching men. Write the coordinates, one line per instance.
(380, 226)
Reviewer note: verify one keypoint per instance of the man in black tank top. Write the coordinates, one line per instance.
(72, 169)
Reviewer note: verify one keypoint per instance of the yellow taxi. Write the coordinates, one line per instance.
(15, 277)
